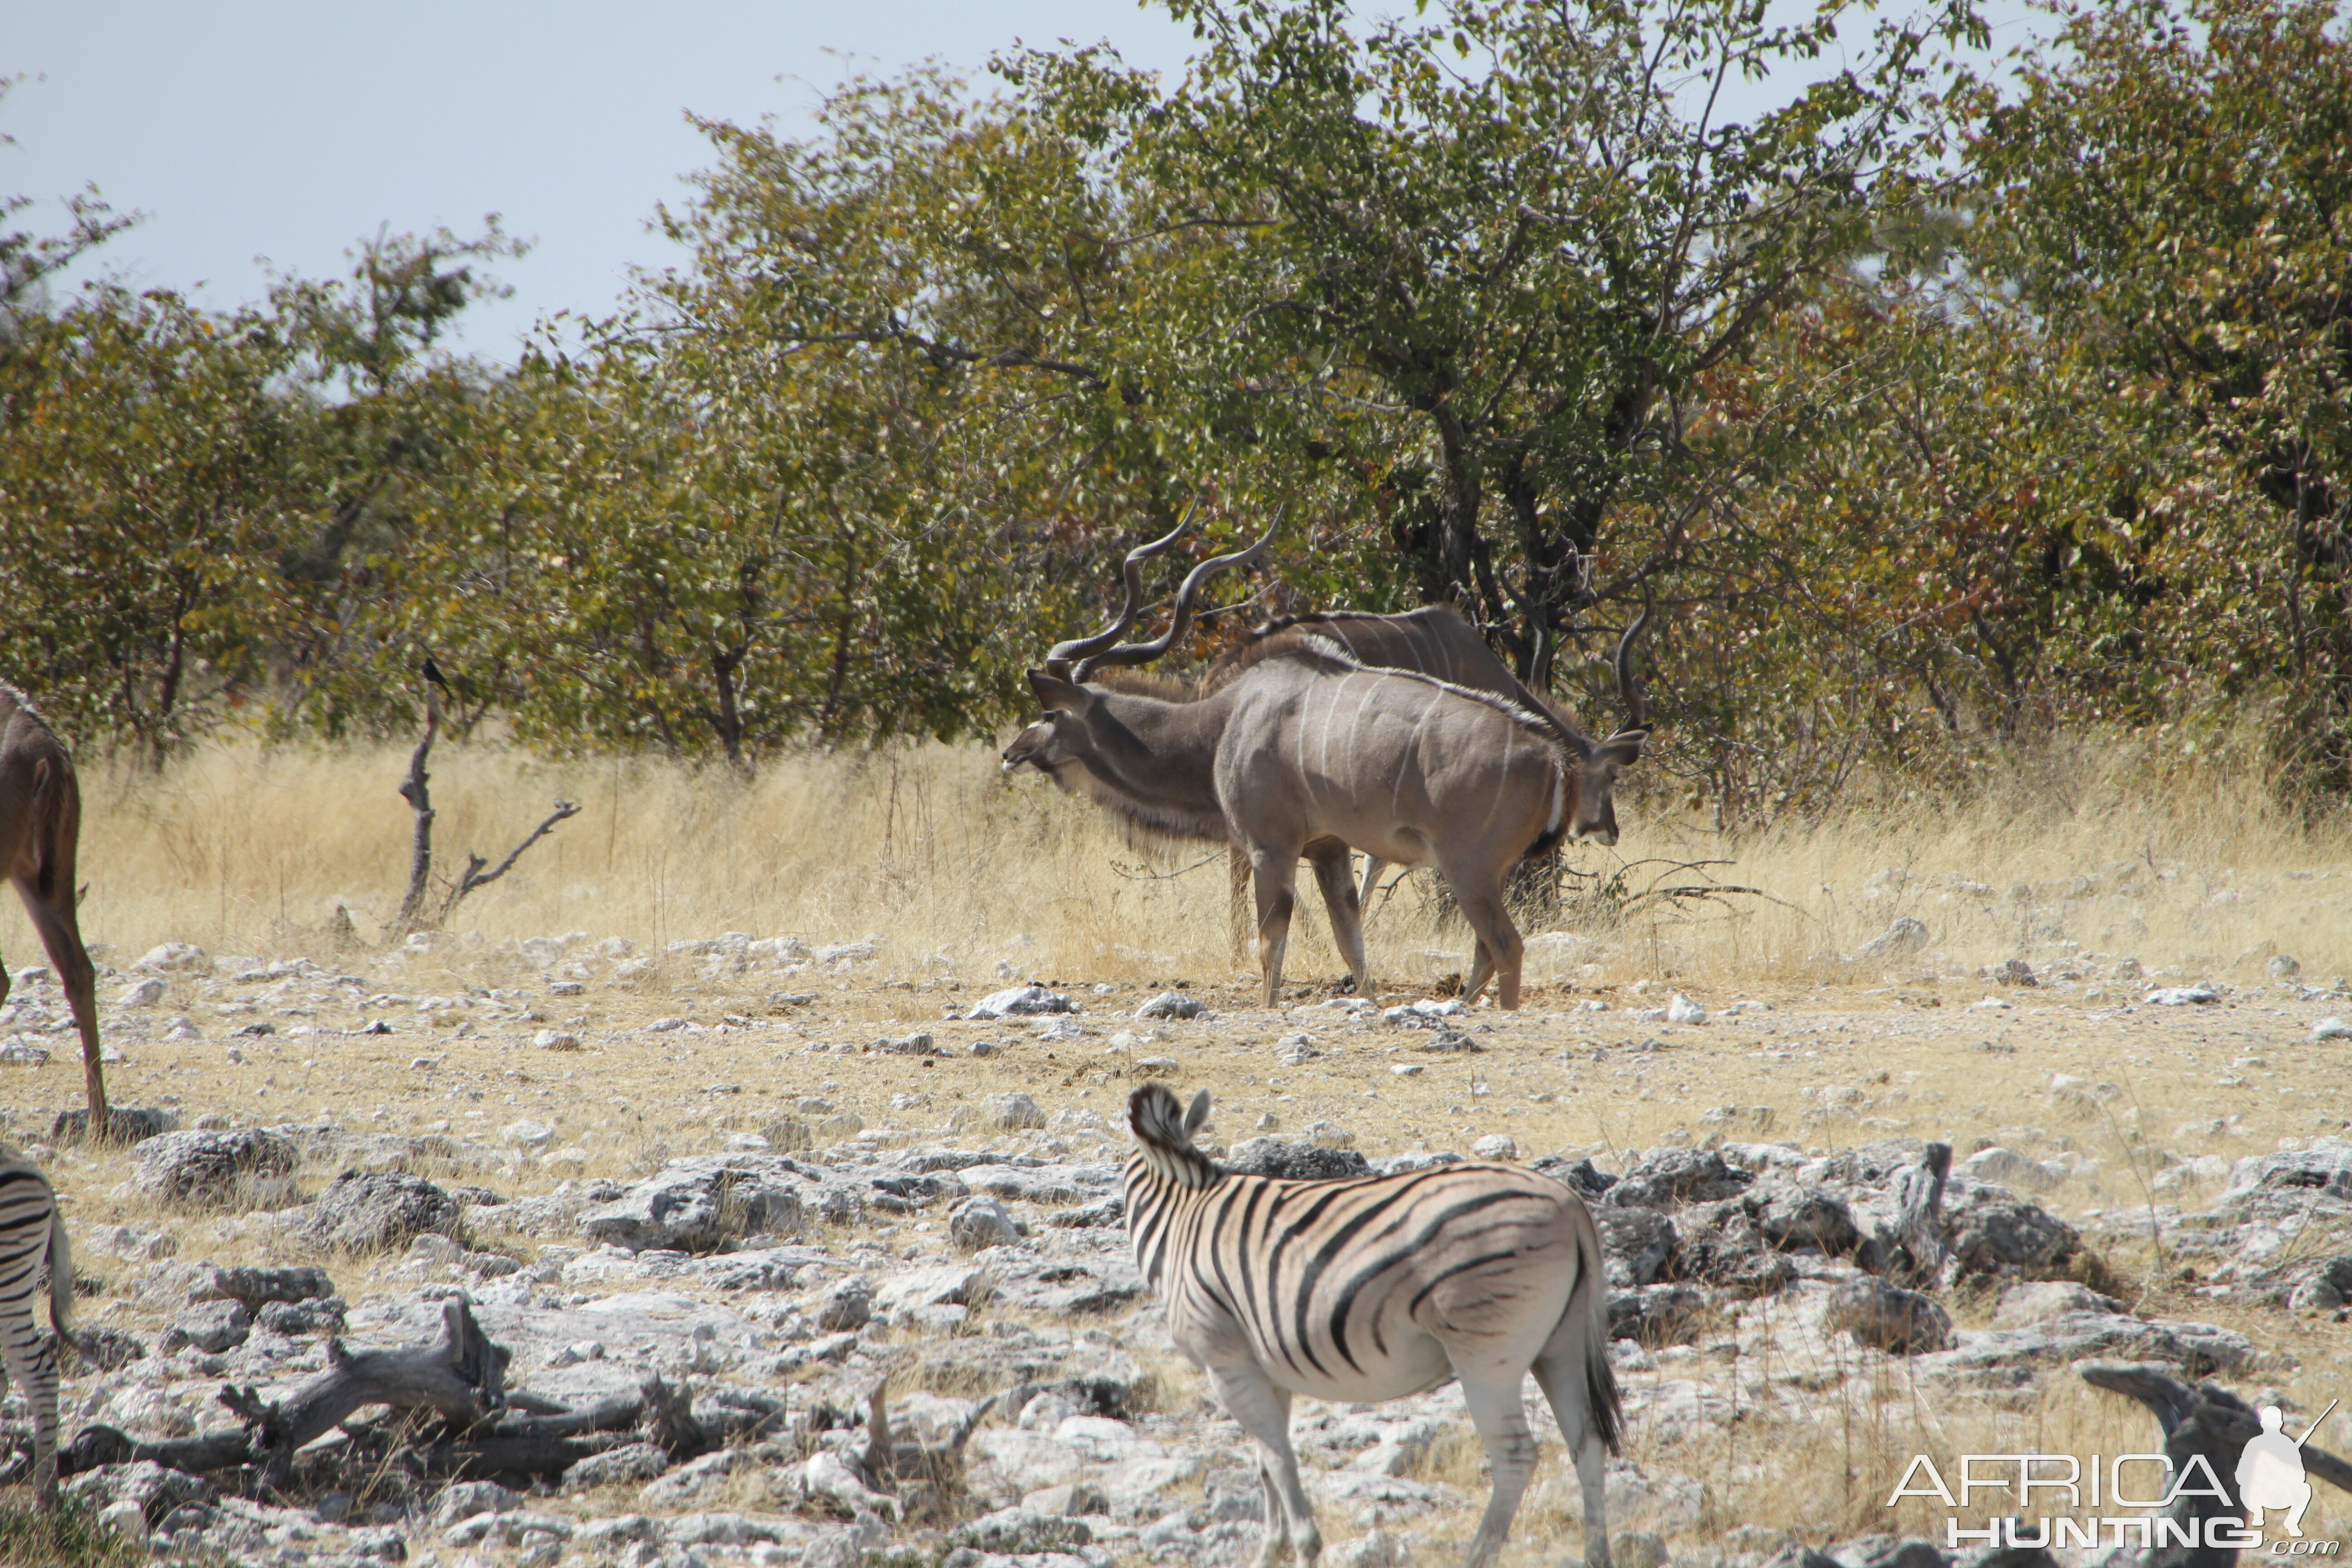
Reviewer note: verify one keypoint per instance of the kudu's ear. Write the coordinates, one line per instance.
(1198, 1116)
(1056, 694)
(1622, 749)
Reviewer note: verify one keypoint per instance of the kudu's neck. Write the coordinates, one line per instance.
(1155, 760)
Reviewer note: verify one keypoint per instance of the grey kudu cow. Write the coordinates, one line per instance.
(1301, 744)
(40, 828)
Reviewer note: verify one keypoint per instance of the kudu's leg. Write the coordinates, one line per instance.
(1276, 872)
(1372, 867)
(1499, 948)
(1237, 875)
(44, 875)
(53, 917)
(1332, 870)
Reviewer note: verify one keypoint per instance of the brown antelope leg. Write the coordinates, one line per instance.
(1237, 874)
(1499, 948)
(1335, 873)
(1481, 969)
(1275, 873)
(53, 917)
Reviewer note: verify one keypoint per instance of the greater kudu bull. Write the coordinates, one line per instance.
(40, 828)
(1405, 765)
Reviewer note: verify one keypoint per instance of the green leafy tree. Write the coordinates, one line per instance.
(142, 445)
(1488, 254)
(384, 414)
(2172, 188)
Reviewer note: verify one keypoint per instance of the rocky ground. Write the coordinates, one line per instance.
(1846, 1223)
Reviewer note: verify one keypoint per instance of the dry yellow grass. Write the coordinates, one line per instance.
(247, 850)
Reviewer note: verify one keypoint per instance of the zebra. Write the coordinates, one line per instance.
(1372, 1288)
(33, 1231)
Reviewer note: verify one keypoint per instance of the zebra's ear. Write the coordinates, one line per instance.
(1197, 1117)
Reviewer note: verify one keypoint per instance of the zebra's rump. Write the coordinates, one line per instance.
(1368, 1287)
(27, 1207)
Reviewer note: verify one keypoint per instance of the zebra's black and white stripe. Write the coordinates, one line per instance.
(1373, 1288)
(32, 1232)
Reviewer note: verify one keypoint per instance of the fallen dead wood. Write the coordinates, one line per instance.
(463, 1378)
(449, 1416)
(460, 1378)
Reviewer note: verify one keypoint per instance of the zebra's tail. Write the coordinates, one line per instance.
(1163, 1135)
(60, 1273)
(1591, 1299)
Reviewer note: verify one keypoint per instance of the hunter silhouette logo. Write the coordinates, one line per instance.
(2269, 1472)
(2154, 1501)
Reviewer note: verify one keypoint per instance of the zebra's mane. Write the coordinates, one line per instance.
(1163, 1143)
(1323, 650)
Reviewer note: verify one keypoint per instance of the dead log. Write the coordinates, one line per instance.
(463, 1377)
(1920, 1250)
(616, 1413)
(2207, 1423)
(485, 1431)
(536, 1445)
(483, 1458)
(98, 1445)
(669, 1418)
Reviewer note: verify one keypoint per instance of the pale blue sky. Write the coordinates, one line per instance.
(288, 129)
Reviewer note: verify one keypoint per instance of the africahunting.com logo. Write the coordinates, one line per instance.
(2059, 1501)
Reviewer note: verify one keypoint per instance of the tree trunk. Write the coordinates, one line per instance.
(413, 790)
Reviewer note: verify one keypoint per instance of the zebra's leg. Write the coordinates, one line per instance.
(1560, 1373)
(1501, 1418)
(1331, 858)
(1251, 1398)
(1275, 1545)
(1276, 872)
(30, 1361)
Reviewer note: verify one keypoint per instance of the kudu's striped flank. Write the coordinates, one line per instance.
(32, 1233)
(1372, 1288)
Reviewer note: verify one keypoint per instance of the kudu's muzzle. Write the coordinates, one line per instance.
(1025, 748)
